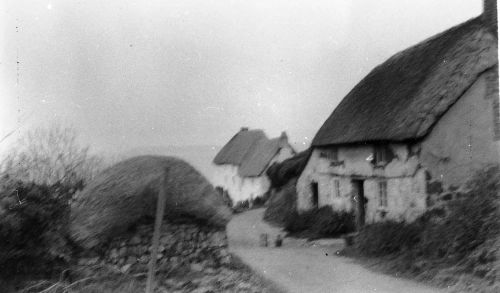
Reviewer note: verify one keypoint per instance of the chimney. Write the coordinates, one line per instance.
(490, 15)
(244, 129)
(283, 138)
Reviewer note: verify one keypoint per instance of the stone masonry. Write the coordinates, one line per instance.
(182, 244)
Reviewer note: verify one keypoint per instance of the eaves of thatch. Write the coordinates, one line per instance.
(404, 97)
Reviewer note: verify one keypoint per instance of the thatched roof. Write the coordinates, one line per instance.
(281, 173)
(235, 150)
(127, 192)
(251, 151)
(405, 96)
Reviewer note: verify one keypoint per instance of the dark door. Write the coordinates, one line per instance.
(314, 190)
(359, 202)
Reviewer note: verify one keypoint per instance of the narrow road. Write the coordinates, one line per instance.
(298, 267)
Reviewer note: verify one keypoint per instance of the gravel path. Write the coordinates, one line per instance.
(304, 267)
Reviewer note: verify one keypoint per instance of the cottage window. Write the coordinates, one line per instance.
(337, 188)
(331, 154)
(382, 193)
(382, 154)
(334, 155)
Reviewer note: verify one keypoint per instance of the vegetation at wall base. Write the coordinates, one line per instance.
(320, 223)
(247, 204)
(449, 246)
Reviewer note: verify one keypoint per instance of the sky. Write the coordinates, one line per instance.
(129, 74)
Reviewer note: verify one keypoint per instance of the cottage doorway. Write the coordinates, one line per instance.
(359, 202)
(315, 195)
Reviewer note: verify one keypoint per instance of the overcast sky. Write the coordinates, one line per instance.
(138, 73)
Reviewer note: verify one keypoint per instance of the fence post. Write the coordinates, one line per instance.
(160, 210)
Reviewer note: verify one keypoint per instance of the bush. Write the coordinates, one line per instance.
(224, 195)
(254, 203)
(260, 201)
(241, 206)
(33, 222)
(461, 237)
(318, 223)
(387, 237)
(51, 155)
(468, 223)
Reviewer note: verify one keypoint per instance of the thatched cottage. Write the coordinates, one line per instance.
(418, 124)
(242, 162)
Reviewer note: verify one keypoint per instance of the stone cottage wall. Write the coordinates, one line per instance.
(406, 182)
(189, 244)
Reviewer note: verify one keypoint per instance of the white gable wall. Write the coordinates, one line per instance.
(464, 138)
(283, 154)
(239, 188)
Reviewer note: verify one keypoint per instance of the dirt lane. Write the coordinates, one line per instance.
(298, 267)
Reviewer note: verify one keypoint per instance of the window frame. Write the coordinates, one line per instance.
(331, 154)
(382, 155)
(336, 188)
(382, 194)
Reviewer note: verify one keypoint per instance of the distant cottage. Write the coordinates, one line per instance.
(413, 130)
(242, 162)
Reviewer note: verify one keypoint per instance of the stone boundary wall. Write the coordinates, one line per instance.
(187, 244)
(439, 195)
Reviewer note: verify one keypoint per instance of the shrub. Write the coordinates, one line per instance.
(224, 195)
(468, 223)
(322, 222)
(387, 237)
(241, 205)
(260, 201)
(254, 203)
(51, 155)
(462, 236)
(33, 222)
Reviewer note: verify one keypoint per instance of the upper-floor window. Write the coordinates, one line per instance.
(331, 154)
(382, 154)
(382, 193)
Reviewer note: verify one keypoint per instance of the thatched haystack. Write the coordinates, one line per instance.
(283, 201)
(282, 204)
(281, 173)
(127, 192)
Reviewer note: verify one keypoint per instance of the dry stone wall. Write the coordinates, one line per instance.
(184, 243)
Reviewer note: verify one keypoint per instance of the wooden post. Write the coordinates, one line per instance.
(160, 210)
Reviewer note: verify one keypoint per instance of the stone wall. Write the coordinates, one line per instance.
(439, 195)
(185, 244)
